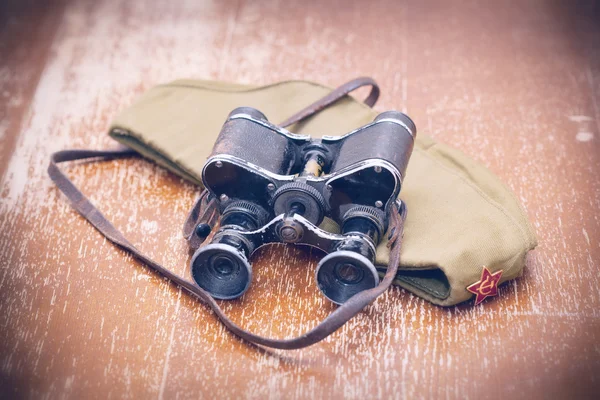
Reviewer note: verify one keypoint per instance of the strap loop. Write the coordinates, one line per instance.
(204, 211)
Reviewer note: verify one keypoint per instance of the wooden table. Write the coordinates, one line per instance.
(516, 85)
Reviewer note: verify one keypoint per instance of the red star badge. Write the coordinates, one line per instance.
(486, 286)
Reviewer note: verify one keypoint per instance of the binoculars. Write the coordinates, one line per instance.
(273, 186)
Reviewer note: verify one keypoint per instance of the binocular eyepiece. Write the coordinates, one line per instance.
(222, 268)
(273, 186)
(349, 268)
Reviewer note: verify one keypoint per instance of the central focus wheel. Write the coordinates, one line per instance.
(302, 199)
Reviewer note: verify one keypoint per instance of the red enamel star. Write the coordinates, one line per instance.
(486, 286)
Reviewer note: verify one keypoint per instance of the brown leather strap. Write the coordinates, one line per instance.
(329, 325)
(334, 96)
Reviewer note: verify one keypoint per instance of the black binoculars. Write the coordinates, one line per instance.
(272, 186)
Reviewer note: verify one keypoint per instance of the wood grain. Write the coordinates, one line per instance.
(516, 85)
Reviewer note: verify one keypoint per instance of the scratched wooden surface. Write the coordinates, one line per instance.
(516, 85)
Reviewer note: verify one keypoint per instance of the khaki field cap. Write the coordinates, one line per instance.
(465, 231)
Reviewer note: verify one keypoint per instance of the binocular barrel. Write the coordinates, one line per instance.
(248, 135)
(222, 267)
(350, 268)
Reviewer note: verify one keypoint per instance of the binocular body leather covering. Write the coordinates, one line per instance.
(272, 186)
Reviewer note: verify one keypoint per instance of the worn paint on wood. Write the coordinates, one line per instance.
(516, 85)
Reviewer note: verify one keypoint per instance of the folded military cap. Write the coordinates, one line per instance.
(465, 232)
